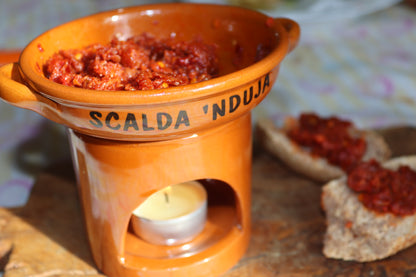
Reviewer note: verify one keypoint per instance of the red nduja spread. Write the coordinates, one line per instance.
(384, 190)
(329, 138)
(139, 63)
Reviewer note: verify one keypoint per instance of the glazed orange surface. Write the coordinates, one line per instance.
(139, 63)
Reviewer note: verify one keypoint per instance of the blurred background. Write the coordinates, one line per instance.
(355, 59)
(22, 20)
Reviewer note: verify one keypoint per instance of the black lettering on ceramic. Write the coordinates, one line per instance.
(217, 110)
(164, 120)
(182, 119)
(109, 118)
(145, 124)
(266, 82)
(247, 100)
(130, 122)
(258, 89)
(205, 108)
(95, 116)
(235, 101)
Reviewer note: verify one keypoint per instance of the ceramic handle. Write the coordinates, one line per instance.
(293, 30)
(15, 92)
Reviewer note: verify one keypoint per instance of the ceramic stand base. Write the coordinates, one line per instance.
(115, 177)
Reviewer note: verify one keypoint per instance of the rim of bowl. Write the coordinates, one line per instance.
(191, 92)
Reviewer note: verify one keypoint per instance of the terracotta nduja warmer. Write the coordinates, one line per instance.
(127, 146)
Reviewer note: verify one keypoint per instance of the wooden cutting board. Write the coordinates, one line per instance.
(46, 237)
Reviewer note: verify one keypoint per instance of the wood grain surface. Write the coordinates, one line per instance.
(46, 237)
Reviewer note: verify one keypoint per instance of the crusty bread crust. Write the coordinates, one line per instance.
(277, 143)
(356, 233)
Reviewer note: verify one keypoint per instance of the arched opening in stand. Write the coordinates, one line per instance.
(223, 221)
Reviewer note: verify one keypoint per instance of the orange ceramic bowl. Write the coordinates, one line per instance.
(164, 113)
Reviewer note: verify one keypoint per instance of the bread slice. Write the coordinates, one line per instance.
(275, 140)
(355, 233)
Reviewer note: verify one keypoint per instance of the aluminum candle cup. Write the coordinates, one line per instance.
(173, 215)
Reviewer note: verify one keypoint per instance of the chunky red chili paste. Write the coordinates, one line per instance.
(139, 63)
(329, 138)
(384, 190)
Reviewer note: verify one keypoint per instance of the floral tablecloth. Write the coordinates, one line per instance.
(361, 68)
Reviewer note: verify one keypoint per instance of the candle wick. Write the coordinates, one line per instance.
(166, 197)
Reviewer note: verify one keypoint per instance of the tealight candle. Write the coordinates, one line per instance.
(173, 215)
